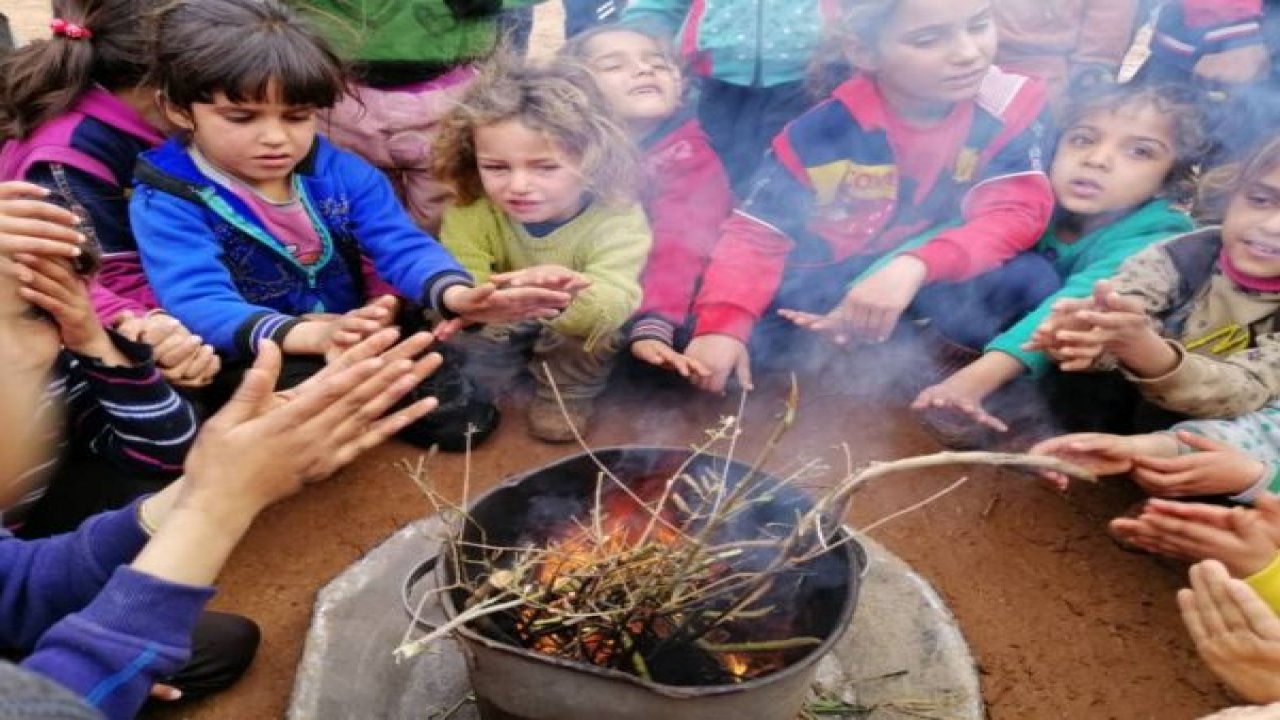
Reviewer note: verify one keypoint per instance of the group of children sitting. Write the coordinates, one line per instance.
(209, 238)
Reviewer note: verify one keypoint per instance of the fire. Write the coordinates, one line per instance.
(575, 556)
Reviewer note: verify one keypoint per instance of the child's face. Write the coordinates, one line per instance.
(1113, 160)
(931, 55)
(526, 174)
(1251, 227)
(259, 143)
(637, 78)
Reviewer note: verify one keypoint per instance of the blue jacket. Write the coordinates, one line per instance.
(215, 267)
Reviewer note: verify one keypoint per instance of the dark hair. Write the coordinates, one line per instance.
(1185, 108)
(241, 48)
(559, 99)
(42, 80)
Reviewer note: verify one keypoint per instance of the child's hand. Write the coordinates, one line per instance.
(29, 225)
(1216, 469)
(871, 309)
(488, 303)
(721, 356)
(1120, 326)
(1065, 316)
(1099, 453)
(1245, 539)
(349, 329)
(51, 285)
(951, 395)
(1234, 631)
(547, 277)
(660, 354)
(183, 358)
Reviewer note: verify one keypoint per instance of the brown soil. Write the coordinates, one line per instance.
(1063, 622)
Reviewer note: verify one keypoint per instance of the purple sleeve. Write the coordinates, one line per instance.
(41, 581)
(136, 631)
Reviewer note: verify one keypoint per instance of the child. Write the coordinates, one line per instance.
(750, 59)
(76, 113)
(927, 131)
(1123, 157)
(545, 179)
(688, 193)
(110, 609)
(252, 228)
(1191, 322)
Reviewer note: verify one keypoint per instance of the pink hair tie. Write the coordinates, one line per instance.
(70, 29)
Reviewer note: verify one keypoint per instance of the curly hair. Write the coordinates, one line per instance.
(1219, 185)
(1184, 106)
(558, 99)
(858, 25)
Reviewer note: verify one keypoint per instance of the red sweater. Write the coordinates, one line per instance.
(688, 199)
(847, 178)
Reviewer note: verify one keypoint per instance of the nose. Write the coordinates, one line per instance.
(1099, 155)
(966, 50)
(520, 182)
(643, 67)
(273, 133)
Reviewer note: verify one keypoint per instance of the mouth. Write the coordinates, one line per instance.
(1266, 251)
(519, 205)
(645, 91)
(278, 159)
(966, 79)
(1085, 188)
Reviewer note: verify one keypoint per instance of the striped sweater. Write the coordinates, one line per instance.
(127, 416)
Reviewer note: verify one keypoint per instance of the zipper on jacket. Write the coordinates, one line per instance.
(757, 73)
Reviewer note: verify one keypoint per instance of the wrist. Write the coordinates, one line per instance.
(99, 346)
(309, 337)
(1151, 357)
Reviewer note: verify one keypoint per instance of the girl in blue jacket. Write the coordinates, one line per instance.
(252, 228)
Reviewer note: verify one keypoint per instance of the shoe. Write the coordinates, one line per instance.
(464, 418)
(549, 423)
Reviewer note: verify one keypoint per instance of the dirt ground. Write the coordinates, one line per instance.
(1063, 623)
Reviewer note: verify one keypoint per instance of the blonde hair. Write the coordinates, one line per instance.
(559, 99)
(1219, 185)
(857, 25)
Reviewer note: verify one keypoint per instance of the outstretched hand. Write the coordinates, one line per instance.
(723, 357)
(1216, 468)
(660, 354)
(489, 303)
(871, 309)
(1234, 631)
(1243, 539)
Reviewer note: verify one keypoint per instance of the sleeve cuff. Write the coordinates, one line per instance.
(142, 605)
(725, 319)
(1249, 495)
(263, 326)
(1266, 583)
(652, 327)
(436, 285)
(141, 365)
(942, 261)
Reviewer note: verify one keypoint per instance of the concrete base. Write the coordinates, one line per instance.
(903, 655)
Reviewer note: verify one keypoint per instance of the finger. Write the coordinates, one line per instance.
(1160, 483)
(1203, 576)
(176, 348)
(377, 394)
(166, 693)
(447, 329)
(382, 430)
(1259, 618)
(255, 389)
(17, 189)
(1189, 607)
(1233, 617)
(368, 348)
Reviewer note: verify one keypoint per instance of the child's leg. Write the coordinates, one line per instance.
(580, 373)
(465, 415)
(973, 312)
(82, 486)
(495, 356)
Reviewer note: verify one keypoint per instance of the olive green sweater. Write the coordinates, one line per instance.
(608, 245)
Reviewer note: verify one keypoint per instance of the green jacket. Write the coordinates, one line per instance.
(1091, 258)
(409, 38)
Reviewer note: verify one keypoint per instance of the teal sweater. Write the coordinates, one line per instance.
(1082, 263)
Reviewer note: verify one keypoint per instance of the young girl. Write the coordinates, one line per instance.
(1124, 154)
(928, 131)
(688, 195)
(252, 228)
(1192, 322)
(75, 113)
(545, 180)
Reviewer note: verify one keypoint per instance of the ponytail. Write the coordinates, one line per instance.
(106, 45)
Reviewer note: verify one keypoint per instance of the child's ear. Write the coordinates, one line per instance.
(174, 115)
